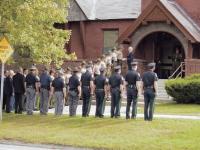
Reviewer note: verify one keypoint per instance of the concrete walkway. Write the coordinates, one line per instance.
(12, 145)
(123, 113)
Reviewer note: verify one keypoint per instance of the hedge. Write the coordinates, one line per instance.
(185, 90)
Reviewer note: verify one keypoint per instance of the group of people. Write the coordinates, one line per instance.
(98, 79)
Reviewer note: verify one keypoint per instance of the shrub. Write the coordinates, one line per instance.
(184, 90)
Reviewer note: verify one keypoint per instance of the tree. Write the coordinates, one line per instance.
(29, 26)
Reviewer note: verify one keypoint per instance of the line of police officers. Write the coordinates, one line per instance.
(98, 85)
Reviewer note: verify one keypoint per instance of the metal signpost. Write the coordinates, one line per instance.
(5, 52)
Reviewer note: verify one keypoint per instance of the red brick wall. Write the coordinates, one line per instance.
(94, 36)
(192, 66)
(145, 3)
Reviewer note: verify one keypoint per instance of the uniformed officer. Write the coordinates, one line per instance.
(45, 85)
(74, 92)
(87, 91)
(116, 88)
(150, 91)
(100, 86)
(32, 86)
(58, 88)
(132, 85)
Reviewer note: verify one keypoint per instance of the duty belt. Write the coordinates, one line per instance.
(86, 86)
(148, 87)
(131, 86)
(30, 86)
(99, 89)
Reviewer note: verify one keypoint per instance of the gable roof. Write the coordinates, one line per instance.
(107, 9)
(175, 13)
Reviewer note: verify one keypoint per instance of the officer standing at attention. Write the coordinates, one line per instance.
(74, 92)
(150, 89)
(58, 88)
(132, 86)
(100, 86)
(87, 91)
(45, 86)
(116, 88)
(32, 88)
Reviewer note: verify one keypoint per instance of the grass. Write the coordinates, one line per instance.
(174, 108)
(116, 134)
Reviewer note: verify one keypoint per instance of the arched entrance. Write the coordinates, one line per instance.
(164, 49)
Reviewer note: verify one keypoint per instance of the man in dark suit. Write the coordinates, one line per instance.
(8, 90)
(19, 89)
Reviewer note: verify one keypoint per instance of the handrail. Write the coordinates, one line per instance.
(176, 71)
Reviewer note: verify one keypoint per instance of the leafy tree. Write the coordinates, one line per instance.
(29, 25)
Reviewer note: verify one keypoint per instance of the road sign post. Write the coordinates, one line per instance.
(5, 52)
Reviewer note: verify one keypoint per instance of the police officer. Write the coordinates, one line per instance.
(87, 91)
(58, 88)
(31, 83)
(74, 92)
(132, 85)
(100, 85)
(45, 85)
(150, 89)
(116, 88)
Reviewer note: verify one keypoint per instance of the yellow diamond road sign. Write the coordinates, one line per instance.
(5, 50)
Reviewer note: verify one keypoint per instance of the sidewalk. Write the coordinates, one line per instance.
(14, 145)
(123, 113)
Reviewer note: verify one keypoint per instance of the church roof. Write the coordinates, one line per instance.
(104, 9)
(180, 14)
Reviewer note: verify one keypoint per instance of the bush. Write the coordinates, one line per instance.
(184, 90)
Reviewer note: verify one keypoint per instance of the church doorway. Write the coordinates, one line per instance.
(164, 49)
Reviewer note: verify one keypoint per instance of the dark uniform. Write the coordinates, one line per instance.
(58, 85)
(8, 91)
(132, 92)
(45, 83)
(31, 81)
(86, 78)
(73, 84)
(19, 89)
(115, 81)
(100, 82)
(130, 58)
(148, 79)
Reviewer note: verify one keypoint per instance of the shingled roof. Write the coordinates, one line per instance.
(179, 13)
(104, 9)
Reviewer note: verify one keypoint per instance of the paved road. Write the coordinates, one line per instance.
(123, 113)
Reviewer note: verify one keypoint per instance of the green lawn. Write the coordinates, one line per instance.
(116, 134)
(174, 108)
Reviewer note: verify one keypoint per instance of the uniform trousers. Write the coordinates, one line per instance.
(86, 95)
(115, 102)
(149, 100)
(18, 103)
(59, 102)
(7, 102)
(131, 99)
(44, 101)
(30, 100)
(100, 95)
(73, 102)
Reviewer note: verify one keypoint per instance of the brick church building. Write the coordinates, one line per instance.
(154, 28)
